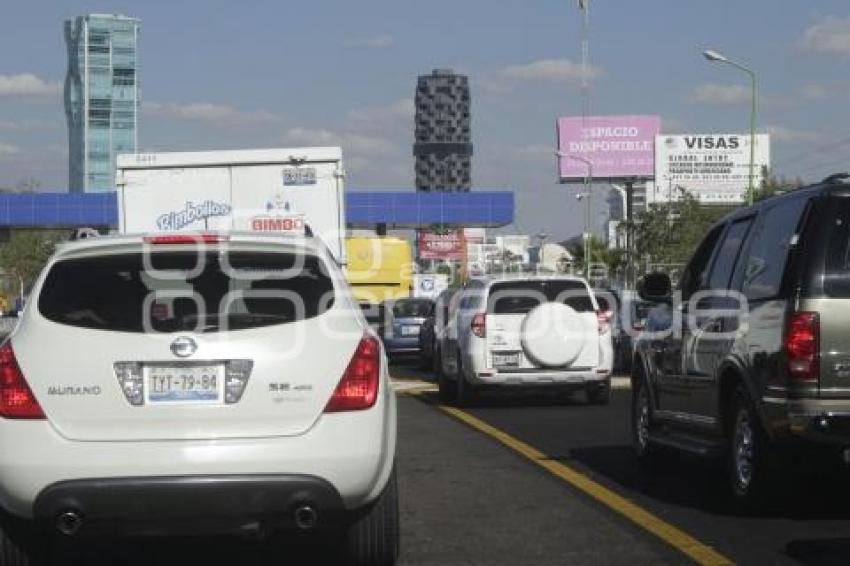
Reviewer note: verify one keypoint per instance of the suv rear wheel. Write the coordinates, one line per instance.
(748, 451)
(373, 539)
(447, 389)
(465, 392)
(641, 421)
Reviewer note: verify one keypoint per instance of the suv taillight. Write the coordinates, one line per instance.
(16, 398)
(358, 388)
(479, 325)
(603, 318)
(802, 346)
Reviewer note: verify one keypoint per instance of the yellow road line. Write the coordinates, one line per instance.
(699, 552)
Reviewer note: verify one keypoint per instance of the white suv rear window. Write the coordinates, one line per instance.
(520, 297)
(185, 291)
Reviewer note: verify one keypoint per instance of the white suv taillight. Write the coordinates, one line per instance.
(16, 398)
(479, 325)
(603, 318)
(802, 346)
(358, 388)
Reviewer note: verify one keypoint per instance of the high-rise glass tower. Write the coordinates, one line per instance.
(443, 138)
(101, 98)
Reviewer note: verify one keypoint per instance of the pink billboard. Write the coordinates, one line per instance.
(617, 146)
(450, 245)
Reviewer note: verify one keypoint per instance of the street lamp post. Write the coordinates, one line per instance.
(715, 57)
(588, 193)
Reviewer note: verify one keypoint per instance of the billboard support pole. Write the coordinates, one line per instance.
(630, 191)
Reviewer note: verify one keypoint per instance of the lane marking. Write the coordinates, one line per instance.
(401, 382)
(675, 537)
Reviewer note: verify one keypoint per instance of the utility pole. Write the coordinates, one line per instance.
(630, 193)
(584, 6)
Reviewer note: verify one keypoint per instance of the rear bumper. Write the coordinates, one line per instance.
(351, 451)
(250, 504)
(396, 346)
(817, 421)
(542, 378)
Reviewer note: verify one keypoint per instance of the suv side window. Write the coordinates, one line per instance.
(836, 281)
(728, 253)
(694, 275)
(471, 296)
(768, 254)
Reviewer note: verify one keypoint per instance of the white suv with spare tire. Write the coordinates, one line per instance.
(527, 330)
(195, 384)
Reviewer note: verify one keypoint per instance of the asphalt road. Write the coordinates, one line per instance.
(809, 524)
(467, 499)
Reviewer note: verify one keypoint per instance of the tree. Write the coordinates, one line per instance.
(25, 254)
(771, 185)
(600, 254)
(669, 232)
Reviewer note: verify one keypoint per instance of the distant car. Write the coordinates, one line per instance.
(526, 331)
(433, 329)
(376, 316)
(628, 319)
(401, 334)
(209, 384)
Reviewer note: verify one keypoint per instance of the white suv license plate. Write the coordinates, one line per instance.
(184, 384)
(506, 360)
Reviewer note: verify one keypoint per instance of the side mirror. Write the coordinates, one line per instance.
(655, 288)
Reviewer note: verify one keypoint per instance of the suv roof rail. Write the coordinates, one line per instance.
(837, 178)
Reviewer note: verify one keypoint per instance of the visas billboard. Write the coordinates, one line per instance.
(618, 147)
(715, 168)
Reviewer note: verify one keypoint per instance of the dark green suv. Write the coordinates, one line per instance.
(751, 354)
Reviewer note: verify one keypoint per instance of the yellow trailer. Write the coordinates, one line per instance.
(380, 268)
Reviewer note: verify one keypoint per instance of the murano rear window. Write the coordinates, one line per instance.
(186, 291)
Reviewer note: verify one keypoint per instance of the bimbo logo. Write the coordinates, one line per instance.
(192, 213)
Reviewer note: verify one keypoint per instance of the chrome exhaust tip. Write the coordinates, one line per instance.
(306, 518)
(69, 523)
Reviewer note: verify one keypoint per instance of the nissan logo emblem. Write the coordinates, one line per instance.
(183, 347)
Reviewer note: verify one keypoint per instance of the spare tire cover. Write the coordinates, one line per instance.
(553, 335)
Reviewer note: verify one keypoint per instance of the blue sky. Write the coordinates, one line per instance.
(219, 74)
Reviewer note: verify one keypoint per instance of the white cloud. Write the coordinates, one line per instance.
(789, 135)
(563, 71)
(382, 41)
(829, 35)
(8, 149)
(721, 94)
(209, 113)
(358, 144)
(26, 84)
(549, 70)
(391, 116)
